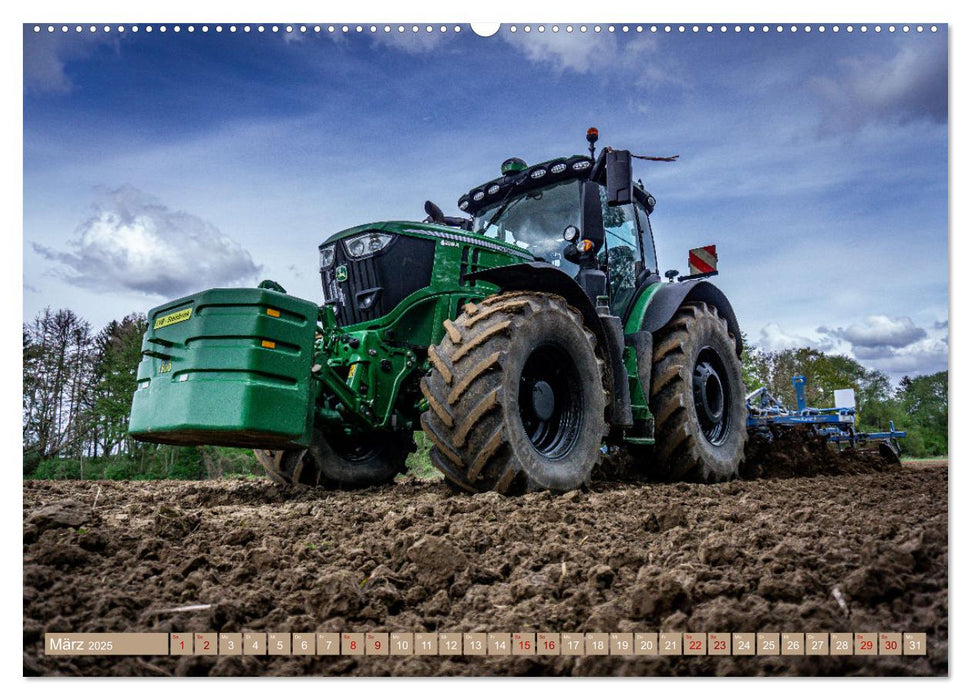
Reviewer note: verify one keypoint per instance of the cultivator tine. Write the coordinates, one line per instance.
(889, 453)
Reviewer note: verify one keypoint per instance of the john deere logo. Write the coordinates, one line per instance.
(342, 273)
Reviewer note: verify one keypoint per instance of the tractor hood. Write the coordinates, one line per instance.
(366, 271)
(392, 227)
(385, 231)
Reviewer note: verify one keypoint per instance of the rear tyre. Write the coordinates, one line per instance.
(515, 395)
(697, 397)
(342, 462)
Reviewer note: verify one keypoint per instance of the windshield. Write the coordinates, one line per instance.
(534, 221)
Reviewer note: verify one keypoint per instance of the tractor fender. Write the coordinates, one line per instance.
(669, 297)
(543, 277)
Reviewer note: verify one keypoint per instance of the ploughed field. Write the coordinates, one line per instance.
(750, 555)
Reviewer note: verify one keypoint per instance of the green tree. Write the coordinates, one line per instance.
(923, 409)
(118, 354)
(753, 359)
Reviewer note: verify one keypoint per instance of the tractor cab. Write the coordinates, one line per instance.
(628, 255)
(585, 217)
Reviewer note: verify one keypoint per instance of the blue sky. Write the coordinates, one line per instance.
(157, 164)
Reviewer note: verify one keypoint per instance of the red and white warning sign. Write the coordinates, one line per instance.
(702, 261)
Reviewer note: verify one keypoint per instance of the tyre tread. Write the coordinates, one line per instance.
(472, 451)
(676, 448)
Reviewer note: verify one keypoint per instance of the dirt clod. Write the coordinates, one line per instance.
(756, 555)
(437, 560)
(792, 453)
(60, 514)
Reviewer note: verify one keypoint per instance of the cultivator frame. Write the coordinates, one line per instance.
(767, 414)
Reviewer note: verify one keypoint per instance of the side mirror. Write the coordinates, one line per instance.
(593, 218)
(619, 176)
(435, 213)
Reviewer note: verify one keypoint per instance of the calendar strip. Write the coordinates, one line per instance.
(488, 644)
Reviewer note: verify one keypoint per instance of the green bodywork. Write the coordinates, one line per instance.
(260, 368)
(369, 397)
(227, 366)
(375, 385)
(208, 379)
(638, 399)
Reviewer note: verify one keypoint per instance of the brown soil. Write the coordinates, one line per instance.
(759, 555)
(800, 453)
(926, 463)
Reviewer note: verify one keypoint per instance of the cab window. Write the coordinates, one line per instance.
(621, 233)
(534, 221)
(649, 256)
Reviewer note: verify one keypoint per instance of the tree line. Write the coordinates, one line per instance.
(78, 387)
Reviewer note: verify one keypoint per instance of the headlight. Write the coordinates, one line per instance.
(366, 244)
(557, 168)
(538, 173)
(327, 256)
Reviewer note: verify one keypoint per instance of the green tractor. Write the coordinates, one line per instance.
(526, 338)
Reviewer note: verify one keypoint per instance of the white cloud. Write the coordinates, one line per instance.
(773, 338)
(910, 86)
(636, 57)
(412, 42)
(878, 332)
(923, 357)
(44, 67)
(581, 53)
(46, 55)
(135, 242)
(896, 346)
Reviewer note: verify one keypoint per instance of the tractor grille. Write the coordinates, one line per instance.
(375, 285)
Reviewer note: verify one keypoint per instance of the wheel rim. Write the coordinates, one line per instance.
(356, 449)
(551, 401)
(712, 396)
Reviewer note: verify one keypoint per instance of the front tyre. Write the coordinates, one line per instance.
(341, 462)
(697, 397)
(284, 467)
(516, 396)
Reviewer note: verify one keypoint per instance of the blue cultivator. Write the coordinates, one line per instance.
(767, 415)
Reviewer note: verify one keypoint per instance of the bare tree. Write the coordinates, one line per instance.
(57, 355)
